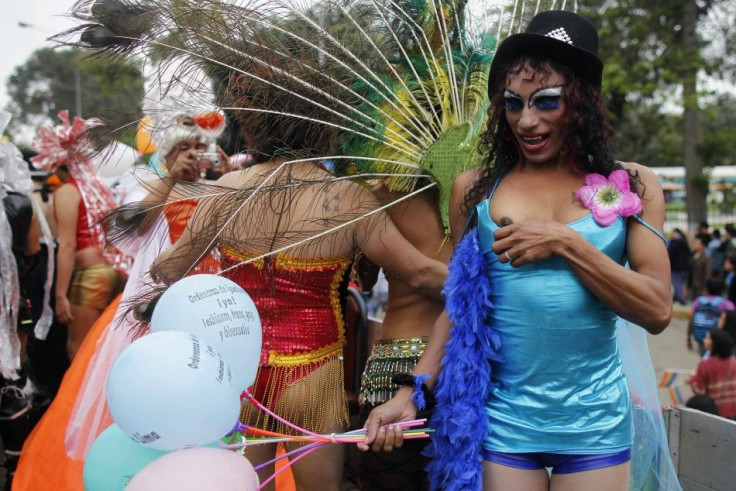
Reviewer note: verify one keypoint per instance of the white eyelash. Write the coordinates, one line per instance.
(508, 95)
(546, 92)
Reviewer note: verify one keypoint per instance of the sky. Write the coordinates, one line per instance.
(43, 17)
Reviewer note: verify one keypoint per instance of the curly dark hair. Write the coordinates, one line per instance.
(587, 134)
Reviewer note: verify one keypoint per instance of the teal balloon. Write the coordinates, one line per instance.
(113, 459)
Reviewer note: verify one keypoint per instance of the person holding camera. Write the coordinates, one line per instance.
(193, 159)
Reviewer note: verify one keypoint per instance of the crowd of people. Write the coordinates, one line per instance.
(702, 278)
(528, 387)
(709, 254)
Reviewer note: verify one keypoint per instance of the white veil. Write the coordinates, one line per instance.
(651, 466)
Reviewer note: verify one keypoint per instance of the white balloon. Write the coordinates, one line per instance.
(171, 390)
(220, 312)
(197, 469)
(115, 159)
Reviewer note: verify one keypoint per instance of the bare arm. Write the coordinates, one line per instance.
(66, 207)
(384, 245)
(401, 407)
(33, 239)
(640, 294)
(184, 168)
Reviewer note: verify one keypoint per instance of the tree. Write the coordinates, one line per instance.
(646, 135)
(719, 132)
(653, 48)
(696, 188)
(45, 84)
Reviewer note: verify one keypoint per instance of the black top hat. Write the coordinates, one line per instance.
(559, 35)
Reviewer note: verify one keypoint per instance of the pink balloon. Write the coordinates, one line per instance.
(195, 469)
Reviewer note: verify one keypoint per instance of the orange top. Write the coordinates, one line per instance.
(177, 215)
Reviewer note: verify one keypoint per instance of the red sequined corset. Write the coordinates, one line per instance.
(84, 231)
(300, 302)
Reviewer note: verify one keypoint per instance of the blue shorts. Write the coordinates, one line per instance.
(559, 462)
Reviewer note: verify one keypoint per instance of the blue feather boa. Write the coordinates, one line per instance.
(464, 383)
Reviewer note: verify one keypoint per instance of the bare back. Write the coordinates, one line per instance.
(308, 213)
(301, 211)
(410, 314)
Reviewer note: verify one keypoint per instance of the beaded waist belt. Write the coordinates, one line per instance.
(388, 357)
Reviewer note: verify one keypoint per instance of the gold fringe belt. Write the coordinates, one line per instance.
(311, 395)
(389, 356)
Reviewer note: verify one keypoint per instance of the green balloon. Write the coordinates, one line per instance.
(114, 458)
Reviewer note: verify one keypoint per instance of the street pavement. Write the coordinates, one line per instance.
(668, 350)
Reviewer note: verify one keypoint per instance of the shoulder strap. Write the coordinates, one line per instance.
(657, 232)
(492, 191)
(471, 221)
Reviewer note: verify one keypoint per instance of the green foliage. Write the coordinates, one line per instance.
(718, 146)
(45, 84)
(647, 59)
(648, 136)
(701, 181)
(639, 45)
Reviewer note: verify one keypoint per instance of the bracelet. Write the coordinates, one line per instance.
(421, 396)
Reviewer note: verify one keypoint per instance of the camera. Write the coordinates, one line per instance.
(209, 160)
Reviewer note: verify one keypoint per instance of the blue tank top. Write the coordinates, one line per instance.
(561, 387)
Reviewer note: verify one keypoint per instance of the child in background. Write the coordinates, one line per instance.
(706, 313)
(703, 403)
(716, 376)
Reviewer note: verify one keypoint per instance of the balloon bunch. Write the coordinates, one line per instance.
(178, 390)
(116, 462)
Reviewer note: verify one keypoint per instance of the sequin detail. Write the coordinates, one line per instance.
(389, 356)
(300, 302)
(560, 34)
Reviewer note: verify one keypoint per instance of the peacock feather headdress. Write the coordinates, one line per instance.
(390, 89)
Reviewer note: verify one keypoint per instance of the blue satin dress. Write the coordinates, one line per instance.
(561, 387)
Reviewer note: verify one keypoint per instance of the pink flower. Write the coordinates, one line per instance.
(608, 198)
